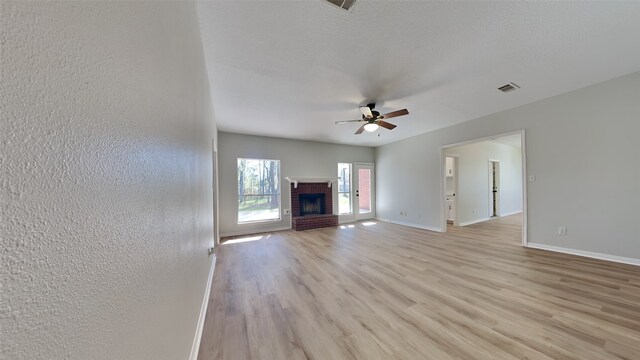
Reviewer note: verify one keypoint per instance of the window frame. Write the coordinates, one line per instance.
(350, 192)
(279, 218)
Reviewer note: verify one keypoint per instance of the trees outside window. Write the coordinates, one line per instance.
(258, 190)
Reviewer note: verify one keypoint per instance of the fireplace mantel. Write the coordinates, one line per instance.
(296, 180)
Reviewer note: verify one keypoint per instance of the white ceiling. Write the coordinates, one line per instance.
(292, 68)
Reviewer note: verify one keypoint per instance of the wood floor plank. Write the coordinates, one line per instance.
(386, 291)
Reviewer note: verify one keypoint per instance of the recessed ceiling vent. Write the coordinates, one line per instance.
(508, 87)
(343, 4)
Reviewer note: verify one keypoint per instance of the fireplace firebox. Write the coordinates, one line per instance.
(311, 204)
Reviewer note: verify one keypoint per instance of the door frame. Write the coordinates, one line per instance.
(443, 199)
(490, 169)
(356, 188)
(215, 187)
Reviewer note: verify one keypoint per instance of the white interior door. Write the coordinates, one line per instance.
(364, 204)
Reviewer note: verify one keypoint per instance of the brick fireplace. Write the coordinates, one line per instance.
(311, 204)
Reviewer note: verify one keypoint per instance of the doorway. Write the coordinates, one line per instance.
(494, 188)
(364, 206)
(490, 185)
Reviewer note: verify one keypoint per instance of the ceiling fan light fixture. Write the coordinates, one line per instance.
(374, 120)
(370, 127)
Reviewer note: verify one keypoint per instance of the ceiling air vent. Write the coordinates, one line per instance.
(343, 4)
(508, 87)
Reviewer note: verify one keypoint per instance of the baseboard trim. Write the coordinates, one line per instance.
(423, 227)
(511, 213)
(589, 254)
(254, 231)
(195, 347)
(473, 222)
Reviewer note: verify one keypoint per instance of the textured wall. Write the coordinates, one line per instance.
(105, 186)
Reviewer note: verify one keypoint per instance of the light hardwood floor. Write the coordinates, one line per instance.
(387, 291)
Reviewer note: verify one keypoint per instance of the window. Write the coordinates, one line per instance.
(258, 190)
(344, 188)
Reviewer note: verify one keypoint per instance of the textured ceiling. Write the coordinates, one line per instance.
(292, 68)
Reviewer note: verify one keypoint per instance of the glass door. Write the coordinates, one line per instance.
(364, 191)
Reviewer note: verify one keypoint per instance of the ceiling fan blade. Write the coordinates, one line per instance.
(360, 130)
(394, 114)
(386, 125)
(349, 121)
(366, 111)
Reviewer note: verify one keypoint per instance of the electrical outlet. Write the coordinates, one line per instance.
(562, 231)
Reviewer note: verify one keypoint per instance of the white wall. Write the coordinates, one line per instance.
(582, 147)
(297, 159)
(473, 179)
(106, 193)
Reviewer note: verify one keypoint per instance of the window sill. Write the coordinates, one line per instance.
(259, 221)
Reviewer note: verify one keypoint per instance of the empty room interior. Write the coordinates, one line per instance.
(319, 179)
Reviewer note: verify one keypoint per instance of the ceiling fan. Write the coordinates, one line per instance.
(374, 120)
